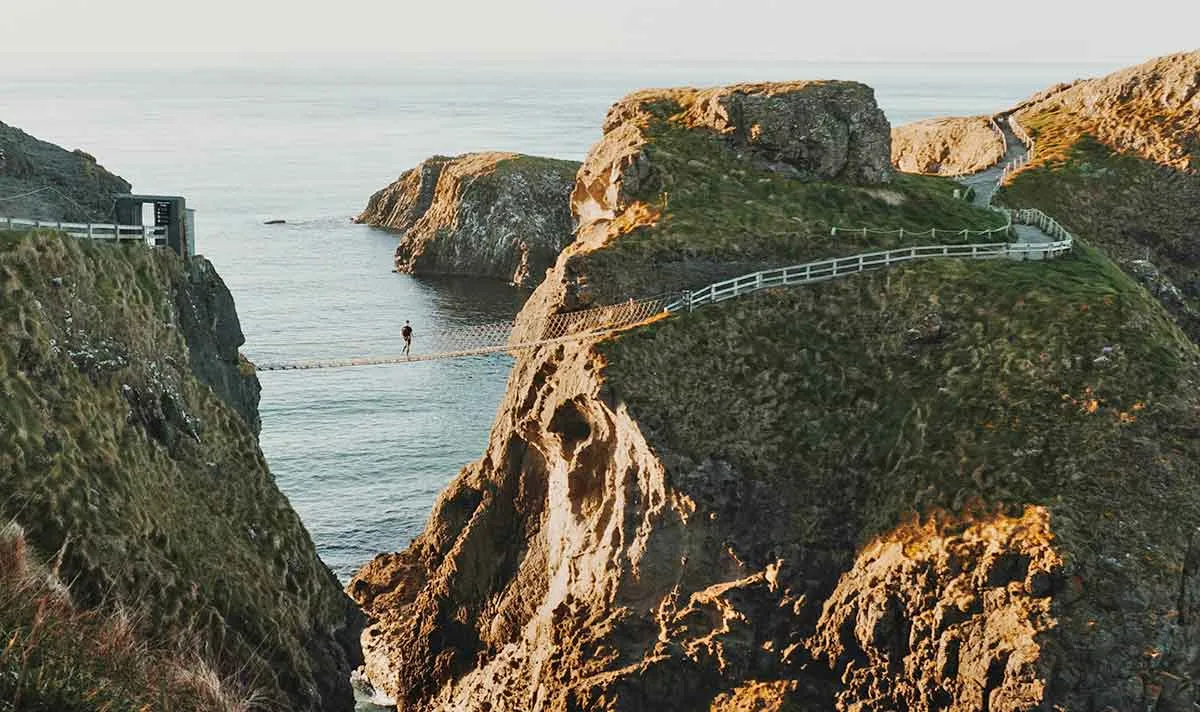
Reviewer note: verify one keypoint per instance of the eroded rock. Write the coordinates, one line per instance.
(499, 215)
(948, 146)
(717, 512)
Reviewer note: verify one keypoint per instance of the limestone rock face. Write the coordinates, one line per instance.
(499, 215)
(809, 499)
(53, 183)
(948, 146)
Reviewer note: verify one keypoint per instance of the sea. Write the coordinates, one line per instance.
(362, 453)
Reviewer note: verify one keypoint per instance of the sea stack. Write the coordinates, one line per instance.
(495, 215)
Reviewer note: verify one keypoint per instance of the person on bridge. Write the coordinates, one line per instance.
(406, 332)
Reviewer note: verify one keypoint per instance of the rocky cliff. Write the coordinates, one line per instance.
(948, 146)
(948, 486)
(144, 485)
(1116, 161)
(498, 215)
(39, 180)
(209, 322)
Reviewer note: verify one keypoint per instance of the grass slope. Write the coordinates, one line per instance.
(949, 385)
(721, 214)
(150, 488)
(1132, 208)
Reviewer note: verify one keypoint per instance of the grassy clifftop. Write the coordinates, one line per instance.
(809, 422)
(1116, 162)
(150, 491)
(705, 199)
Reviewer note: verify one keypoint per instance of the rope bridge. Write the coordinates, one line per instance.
(512, 337)
(505, 337)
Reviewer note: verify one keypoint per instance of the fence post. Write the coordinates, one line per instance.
(687, 298)
(901, 234)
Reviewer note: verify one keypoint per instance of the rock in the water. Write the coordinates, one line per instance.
(949, 146)
(275, 222)
(498, 215)
(41, 181)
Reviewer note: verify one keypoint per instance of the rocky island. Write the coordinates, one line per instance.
(496, 215)
(950, 485)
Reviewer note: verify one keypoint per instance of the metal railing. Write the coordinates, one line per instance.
(111, 232)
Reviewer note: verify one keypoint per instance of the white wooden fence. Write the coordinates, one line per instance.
(822, 270)
(1020, 162)
(111, 232)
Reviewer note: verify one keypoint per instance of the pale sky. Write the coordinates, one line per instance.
(935, 30)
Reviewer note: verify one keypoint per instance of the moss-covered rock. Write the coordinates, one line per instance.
(679, 192)
(950, 485)
(145, 487)
(499, 215)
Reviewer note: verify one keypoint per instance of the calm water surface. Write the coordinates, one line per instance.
(362, 453)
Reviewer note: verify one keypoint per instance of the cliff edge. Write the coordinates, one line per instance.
(498, 215)
(951, 485)
(145, 491)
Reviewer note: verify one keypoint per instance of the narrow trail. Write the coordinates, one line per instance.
(987, 182)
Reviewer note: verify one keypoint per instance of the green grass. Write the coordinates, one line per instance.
(154, 490)
(941, 386)
(1130, 207)
(721, 215)
(57, 658)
